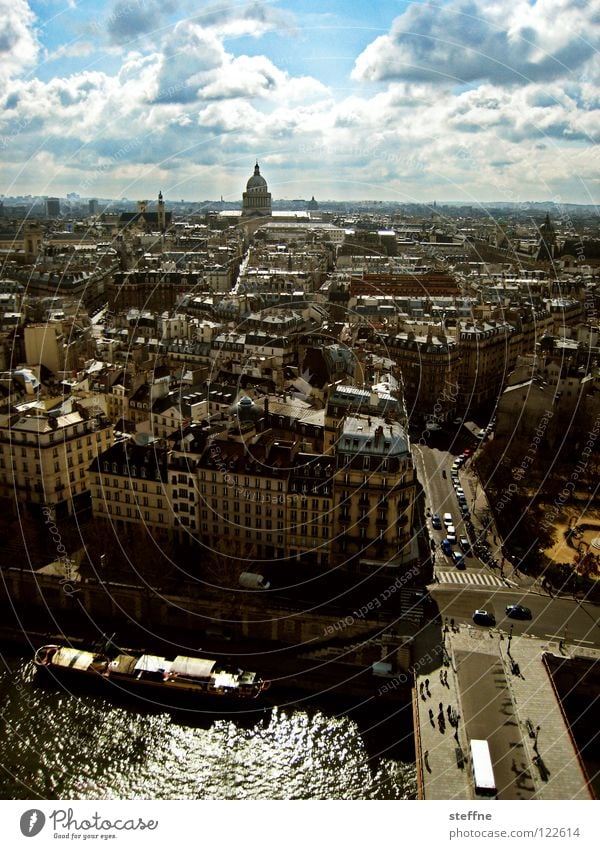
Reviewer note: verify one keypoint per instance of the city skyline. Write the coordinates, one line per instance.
(455, 102)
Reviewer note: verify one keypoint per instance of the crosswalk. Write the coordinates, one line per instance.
(470, 578)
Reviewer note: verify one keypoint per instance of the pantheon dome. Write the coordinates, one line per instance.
(256, 200)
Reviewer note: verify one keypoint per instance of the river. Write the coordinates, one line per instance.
(57, 744)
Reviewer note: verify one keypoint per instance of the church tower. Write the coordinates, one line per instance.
(547, 244)
(160, 214)
(256, 200)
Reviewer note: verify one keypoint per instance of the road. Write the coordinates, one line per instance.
(550, 616)
(434, 471)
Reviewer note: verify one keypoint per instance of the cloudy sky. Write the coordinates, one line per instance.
(410, 101)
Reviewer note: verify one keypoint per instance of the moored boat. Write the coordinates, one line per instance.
(196, 677)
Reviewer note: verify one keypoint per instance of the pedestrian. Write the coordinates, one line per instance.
(426, 760)
(431, 717)
(449, 712)
(427, 686)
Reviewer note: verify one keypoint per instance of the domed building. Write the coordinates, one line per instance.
(256, 200)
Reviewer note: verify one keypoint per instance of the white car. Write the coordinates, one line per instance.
(460, 491)
(447, 518)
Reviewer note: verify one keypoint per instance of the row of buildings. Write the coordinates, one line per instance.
(249, 380)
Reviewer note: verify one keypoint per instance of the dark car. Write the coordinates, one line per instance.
(436, 522)
(518, 611)
(447, 547)
(458, 560)
(484, 617)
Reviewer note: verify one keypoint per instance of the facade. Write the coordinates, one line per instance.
(488, 353)
(249, 494)
(429, 366)
(256, 200)
(44, 345)
(129, 487)
(44, 459)
(375, 491)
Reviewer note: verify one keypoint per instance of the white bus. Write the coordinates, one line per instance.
(483, 771)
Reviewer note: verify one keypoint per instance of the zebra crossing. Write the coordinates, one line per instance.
(475, 578)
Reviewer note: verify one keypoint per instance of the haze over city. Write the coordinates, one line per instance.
(407, 102)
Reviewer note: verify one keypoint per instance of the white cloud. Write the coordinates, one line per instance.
(233, 20)
(474, 40)
(19, 46)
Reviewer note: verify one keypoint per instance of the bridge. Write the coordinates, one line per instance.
(484, 685)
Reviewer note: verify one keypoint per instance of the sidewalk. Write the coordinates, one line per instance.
(515, 709)
(487, 530)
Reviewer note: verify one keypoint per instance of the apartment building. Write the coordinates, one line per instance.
(129, 486)
(44, 458)
(488, 352)
(375, 489)
(429, 366)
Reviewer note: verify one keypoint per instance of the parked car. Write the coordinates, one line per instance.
(518, 611)
(484, 617)
(436, 522)
(447, 547)
(460, 491)
(464, 544)
(467, 452)
(464, 509)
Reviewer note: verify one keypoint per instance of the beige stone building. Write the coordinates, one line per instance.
(252, 496)
(129, 487)
(44, 458)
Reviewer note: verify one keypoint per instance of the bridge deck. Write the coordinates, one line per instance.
(500, 703)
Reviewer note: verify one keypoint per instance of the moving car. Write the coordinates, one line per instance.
(436, 522)
(464, 544)
(448, 519)
(447, 547)
(518, 611)
(458, 560)
(484, 617)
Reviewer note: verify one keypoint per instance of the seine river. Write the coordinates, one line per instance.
(60, 745)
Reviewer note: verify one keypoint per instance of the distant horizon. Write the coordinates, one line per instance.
(481, 204)
(402, 100)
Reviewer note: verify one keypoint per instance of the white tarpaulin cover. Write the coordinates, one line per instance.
(193, 667)
(73, 658)
(152, 663)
